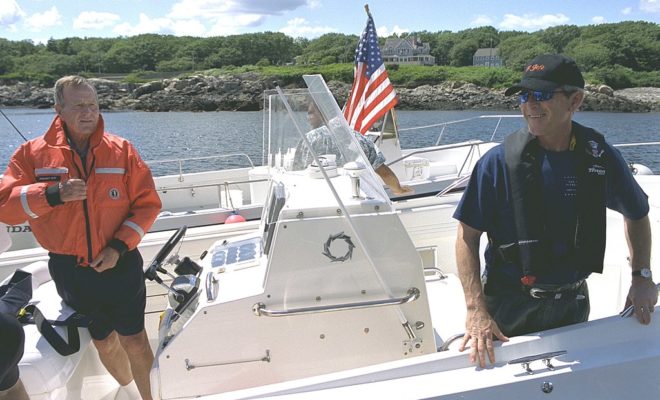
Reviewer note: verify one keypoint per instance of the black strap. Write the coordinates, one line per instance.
(45, 327)
(523, 162)
(591, 224)
(16, 293)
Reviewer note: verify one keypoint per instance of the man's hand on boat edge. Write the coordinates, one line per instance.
(480, 330)
(643, 295)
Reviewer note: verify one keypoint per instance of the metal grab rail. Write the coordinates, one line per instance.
(260, 309)
(473, 145)
(636, 144)
(195, 186)
(459, 121)
(211, 287)
(499, 118)
(448, 342)
(181, 161)
(219, 186)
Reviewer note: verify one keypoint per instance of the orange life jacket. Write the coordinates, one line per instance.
(122, 202)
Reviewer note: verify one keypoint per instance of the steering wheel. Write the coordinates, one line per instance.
(155, 265)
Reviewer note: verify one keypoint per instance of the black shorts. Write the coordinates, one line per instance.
(114, 299)
(12, 340)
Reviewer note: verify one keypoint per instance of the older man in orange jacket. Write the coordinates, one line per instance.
(89, 199)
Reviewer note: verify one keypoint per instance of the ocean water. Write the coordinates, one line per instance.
(174, 135)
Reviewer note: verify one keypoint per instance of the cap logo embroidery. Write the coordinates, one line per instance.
(535, 67)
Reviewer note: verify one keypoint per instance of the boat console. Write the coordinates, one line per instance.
(331, 280)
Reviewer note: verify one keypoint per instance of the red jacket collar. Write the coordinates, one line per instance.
(55, 136)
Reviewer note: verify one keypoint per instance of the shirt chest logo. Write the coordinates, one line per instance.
(594, 149)
(597, 169)
(113, 193)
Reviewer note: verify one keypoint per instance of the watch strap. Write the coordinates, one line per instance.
(643, 272)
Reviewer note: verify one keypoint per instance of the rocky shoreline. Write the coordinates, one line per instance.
(244, 93)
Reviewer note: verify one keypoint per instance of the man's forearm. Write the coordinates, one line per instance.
(388, 176)
(638, 236)
(469, 266)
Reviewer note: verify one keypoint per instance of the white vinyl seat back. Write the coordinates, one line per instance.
(5, 240)
(44, 372)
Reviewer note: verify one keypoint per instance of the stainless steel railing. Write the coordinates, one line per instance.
(181, 161)
(260, 309)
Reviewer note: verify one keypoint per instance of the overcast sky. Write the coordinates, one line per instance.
(40, 20)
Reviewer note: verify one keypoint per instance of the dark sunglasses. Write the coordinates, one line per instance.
(538, 95)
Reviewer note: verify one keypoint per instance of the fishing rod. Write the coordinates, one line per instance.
(12, 124)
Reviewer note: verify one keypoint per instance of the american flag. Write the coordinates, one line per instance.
(372, 94)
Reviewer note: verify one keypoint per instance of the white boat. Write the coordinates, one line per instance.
(203, 201)
(334, 296)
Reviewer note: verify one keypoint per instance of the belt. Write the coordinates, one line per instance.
(552, 291)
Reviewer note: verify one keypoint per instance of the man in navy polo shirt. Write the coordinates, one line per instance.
(541, 198)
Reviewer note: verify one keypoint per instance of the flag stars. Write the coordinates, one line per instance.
(362, 108)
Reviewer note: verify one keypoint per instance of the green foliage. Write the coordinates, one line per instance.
(264, 62)
(617, 77)
(149, 76)
(589, 55)
(40, 79)
(558, 37)
(416, 75)
(621, 54)
(517, 50)
(176, 65)
(441, 44)
(48, 64)
(224, 57)
(461, 54)
(136, 77)
(6, 64)
(140, 52)
(635, 45)
(337, 45)
(404, 75)
(328, 60)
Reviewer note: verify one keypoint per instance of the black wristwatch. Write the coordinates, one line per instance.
(643, 272)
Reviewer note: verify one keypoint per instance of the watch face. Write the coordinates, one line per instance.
(644, 272)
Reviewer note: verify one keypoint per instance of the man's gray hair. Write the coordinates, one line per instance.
(71, 81)
(569, 90)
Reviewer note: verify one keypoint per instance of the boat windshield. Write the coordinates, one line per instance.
(306, 129)
(322, 206)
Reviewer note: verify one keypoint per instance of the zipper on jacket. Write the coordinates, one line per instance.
(88, 229)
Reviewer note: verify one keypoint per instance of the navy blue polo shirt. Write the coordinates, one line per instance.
(486, 206)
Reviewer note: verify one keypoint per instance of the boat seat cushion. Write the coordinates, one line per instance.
(42, 369)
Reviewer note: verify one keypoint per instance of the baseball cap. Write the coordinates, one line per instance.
(547, 72)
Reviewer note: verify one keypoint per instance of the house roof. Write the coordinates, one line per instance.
(487, 51)
(409, 42)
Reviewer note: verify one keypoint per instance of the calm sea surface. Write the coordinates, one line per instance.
(172, 135)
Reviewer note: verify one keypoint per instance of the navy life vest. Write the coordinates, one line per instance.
(523, 162)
